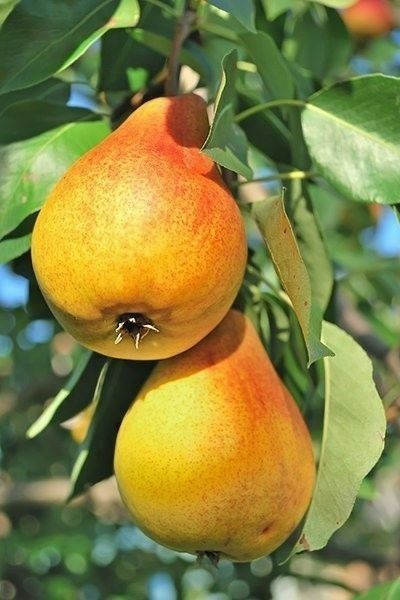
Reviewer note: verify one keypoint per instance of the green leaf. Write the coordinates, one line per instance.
(266, 132)
(121, 53)
(74, 396)
(275, 8)
(42, 36)
(321, 47)
(6, 7)
(242, 11)
(226, 142)
(359, 116)
(118, 385)
(311, 244)
(303, 80)
(279, 322)
(384, 591)
(126, 15)
(353, 438)
(270, 64)
(278, 235)
(52, 90)
(28, 170)
(10, 249)
(26, 119)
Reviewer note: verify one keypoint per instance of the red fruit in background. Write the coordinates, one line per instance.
(369, 18)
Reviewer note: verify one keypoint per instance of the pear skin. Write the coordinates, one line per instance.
(369, 18)
(140, 242)
(214, 456)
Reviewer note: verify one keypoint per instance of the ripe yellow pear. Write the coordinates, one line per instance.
(214, 456)
(140, 248)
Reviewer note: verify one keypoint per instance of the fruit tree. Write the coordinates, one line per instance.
(199, 299)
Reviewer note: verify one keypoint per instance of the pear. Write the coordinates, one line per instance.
(369, 18)
(140, 248)
(213, 457)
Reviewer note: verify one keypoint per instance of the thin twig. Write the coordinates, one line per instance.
(222, 32)
(168, 9)
(253, 271)
(183, 29)
(279, 177)
(249, 112)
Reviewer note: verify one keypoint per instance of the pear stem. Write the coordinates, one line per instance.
(183, 29)
(212, 555)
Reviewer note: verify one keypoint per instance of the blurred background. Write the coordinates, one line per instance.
(89, 549)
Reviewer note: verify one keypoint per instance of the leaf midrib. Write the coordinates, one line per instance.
(348, 125)
(57, 41)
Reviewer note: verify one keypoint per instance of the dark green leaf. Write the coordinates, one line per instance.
(6, 7)
(303, 80)
(278, 235)
(118, 51)
(275, 8)
(296, 378)
(126, 15)
(191, 53)
(26, 119)
(279, 309)
(118, 386)
(121, 54)
(321, 47)
(270, 64)
(42, 36)
(29, 169)
(226, 142)
(10, 249)
(242, 11)
(311, 244)
(353, 438)
(51, 90)
(359, 116)
(74, 396)
(266, 132)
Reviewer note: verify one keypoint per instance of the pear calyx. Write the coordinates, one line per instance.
(212, 555)
(136, 325)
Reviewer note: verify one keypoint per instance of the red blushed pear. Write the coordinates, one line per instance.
(140, 249)
(213, 457)
(369, 18)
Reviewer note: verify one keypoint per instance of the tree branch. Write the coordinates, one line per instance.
(182, 31)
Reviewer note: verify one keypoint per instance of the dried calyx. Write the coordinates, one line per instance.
(212, 555)
(135, 325)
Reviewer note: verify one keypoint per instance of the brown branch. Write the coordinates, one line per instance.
(182, 31)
